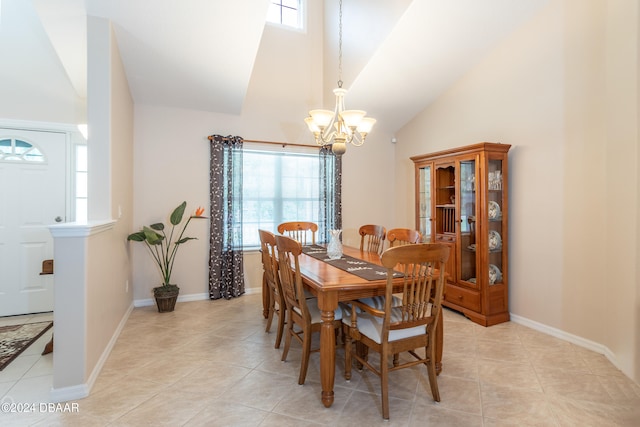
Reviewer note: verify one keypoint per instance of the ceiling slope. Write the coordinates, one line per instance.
(433, 44)
(195, 54)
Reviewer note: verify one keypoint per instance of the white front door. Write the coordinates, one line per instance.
(32, 197)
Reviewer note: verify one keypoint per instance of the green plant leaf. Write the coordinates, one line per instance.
(152, 237)
(185, 239)
(137, 237)
(157, 226)
(176, 216)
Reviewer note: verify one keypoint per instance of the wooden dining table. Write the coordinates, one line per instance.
(331, 285)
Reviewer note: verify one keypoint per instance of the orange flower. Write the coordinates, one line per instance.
(199, 211)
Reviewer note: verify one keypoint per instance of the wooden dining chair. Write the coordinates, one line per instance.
(403, 236)
(372, 238)
(302, 231)
(393, 330)
(277, 306)
(303, 314)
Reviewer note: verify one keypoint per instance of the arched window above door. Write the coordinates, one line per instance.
(17, 150)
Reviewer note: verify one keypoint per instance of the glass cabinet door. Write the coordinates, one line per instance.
(495, 203)
(425, 223)
(468, 203)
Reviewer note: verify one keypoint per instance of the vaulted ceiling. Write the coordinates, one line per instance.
(411, 50)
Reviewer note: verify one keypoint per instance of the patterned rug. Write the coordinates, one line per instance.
(15, 339)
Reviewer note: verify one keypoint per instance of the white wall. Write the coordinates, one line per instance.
(563, 91)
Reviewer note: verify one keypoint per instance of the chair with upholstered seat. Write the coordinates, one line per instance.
(302, 231)
(372, 238)
(303, 315)
(403, 236)
(403, 329)
(277, 306)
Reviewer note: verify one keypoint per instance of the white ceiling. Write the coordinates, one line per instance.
(171, 49)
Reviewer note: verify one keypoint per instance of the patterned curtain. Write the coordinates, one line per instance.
(330, 193)
(226, 271)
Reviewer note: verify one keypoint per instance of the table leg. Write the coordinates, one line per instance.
(327, 305)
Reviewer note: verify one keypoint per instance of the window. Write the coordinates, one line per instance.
(278, 186)
(81, 183)
(285, 12)
(16, 150)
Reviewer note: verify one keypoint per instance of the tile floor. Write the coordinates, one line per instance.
(215, 366)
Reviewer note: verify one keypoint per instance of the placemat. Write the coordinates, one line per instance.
(360, 268)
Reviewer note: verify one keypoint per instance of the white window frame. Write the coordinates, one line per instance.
(302, 17)
(250, 235)
(83, 215)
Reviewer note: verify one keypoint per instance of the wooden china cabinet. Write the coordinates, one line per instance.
(462, 201)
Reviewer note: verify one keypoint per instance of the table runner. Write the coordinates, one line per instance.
(360, 268)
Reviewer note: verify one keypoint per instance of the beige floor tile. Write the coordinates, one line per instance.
(278, 420)
(554, 358)
(620, 388)
(164, 409)
(214, 365)
(119, 398)
(457, 394)
(460, 366)
(571, 412)
(508, 374)
(435, 415)
(365, 409)
(223, 413)
(532, 339)
(575, 386)
(304, 402)
(517, 406)
(260, 390)
(402, 383)
(600, 365)
(503, 332)
(64, 419)
(460, 344)
(212, 379)
(506, 351)
(460, 329)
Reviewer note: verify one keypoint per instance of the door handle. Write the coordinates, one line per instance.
(58, 219)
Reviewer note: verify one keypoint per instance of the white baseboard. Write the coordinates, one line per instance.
(65, 394)
(190, 297)
(574, 339)
(81, 391)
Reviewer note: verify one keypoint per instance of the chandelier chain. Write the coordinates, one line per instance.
(339, 127)
(340, 47)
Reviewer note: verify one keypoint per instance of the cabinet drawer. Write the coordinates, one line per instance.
(445, 237)
(462, 297)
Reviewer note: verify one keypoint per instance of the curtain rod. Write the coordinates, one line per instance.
(283, 144)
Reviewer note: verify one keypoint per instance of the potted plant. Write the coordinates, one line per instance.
(163, 248)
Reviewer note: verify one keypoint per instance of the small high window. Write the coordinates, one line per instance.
(286, 12)
(16, 150)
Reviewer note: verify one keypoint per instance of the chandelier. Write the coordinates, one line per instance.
(339, 127)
